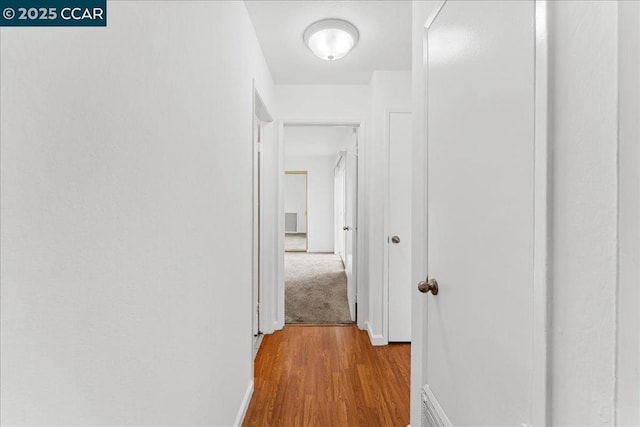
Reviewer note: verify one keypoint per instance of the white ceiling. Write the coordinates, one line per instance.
(315, 140)
(385, 39)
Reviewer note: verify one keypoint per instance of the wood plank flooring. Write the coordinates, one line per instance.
(329, 376)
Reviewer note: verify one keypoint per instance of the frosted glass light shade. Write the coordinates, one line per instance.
(331, 39)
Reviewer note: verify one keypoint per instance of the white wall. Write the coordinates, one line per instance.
(389, 90)
(313, 102)
(126, 217)
(584, 140)
(628, 358)
(320, 233)
(316, 140)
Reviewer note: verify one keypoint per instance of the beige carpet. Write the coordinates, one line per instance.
(315, 289)
(295, 242)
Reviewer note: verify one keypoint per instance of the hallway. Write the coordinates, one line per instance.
(471, 167)
(329, 376)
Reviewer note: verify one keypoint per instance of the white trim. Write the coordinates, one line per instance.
(261, 294)
(350, 122)
(386, 175)
(376, 339)
(341, 155)
(257, 342)
(244, 405)
(361, 252)
(432, 17)
(279, 285)
(541, 218)
(255, 230)
(437, 417)
(261, 110)
(626, 397)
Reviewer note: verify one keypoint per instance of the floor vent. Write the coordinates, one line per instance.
(290, 222)
(432, 413)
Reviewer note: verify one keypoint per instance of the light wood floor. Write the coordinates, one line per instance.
(329, 376)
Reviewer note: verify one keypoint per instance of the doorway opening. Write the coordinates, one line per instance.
(295, 211)
(320, 211)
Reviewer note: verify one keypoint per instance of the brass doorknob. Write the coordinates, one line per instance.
(395, 239)
(431, 285)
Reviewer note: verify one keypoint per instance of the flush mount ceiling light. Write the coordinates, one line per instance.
(331, 39)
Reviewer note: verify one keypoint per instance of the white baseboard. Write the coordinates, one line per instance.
(257, 341)
(277, 325)
(244, 405)
(362, 325)
(432, 412)
(376, 339)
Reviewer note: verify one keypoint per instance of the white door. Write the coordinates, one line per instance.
(399, 226)
(339, 194)
(350, 224)
(480, 204)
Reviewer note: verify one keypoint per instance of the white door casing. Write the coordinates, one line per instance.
(261, 128)
(256, 227)
(397, 274)
(480, 345)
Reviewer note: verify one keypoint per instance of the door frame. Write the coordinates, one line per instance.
(386, 175)
(540, 414)
(261, 120)
(306, 204)
(359, 260)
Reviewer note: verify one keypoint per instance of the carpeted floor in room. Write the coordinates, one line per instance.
(315, 289)
(295, 242)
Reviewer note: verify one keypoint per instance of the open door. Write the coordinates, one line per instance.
(350, 225)
(479, 309)
(339, 199)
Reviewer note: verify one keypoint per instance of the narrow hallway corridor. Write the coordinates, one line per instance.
(219, 213)
(329, 376)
